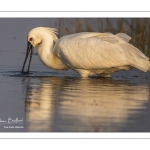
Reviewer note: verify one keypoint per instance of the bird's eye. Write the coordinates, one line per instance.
(31, 39)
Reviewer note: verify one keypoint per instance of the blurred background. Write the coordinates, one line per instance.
(137, 28)
(18, 28)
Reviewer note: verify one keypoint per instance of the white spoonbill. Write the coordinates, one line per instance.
(87, 53)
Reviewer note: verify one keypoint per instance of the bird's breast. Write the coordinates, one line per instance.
(51, 61)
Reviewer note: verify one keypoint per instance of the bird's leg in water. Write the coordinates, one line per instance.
(105, 75)
(83, 73)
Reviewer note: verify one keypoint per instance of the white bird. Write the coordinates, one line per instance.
(88, 53)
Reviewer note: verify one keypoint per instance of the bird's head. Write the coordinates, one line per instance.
(35, 37)
(38, 34)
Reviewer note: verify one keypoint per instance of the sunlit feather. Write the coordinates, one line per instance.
(88, 53)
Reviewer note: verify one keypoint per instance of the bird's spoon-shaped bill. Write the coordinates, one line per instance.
(29, 48)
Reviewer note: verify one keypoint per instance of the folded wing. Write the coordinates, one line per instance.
(100, 50)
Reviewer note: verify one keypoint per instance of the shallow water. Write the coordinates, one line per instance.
(58, 101)
(74, 104)
(54, 101)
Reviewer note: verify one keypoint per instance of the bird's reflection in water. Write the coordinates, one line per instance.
(74, 104)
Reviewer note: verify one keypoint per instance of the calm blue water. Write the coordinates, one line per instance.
(59, 101)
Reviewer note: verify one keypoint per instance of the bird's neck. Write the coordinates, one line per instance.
(46, 52)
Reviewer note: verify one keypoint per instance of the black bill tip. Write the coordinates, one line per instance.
(30, 49)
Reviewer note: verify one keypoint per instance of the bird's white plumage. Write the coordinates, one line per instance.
(92, 53)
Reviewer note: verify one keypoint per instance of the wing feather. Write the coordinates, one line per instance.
(124, 37)
(95, 51)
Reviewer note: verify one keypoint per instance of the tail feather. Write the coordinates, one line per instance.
(135, 57)
(143, 65)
